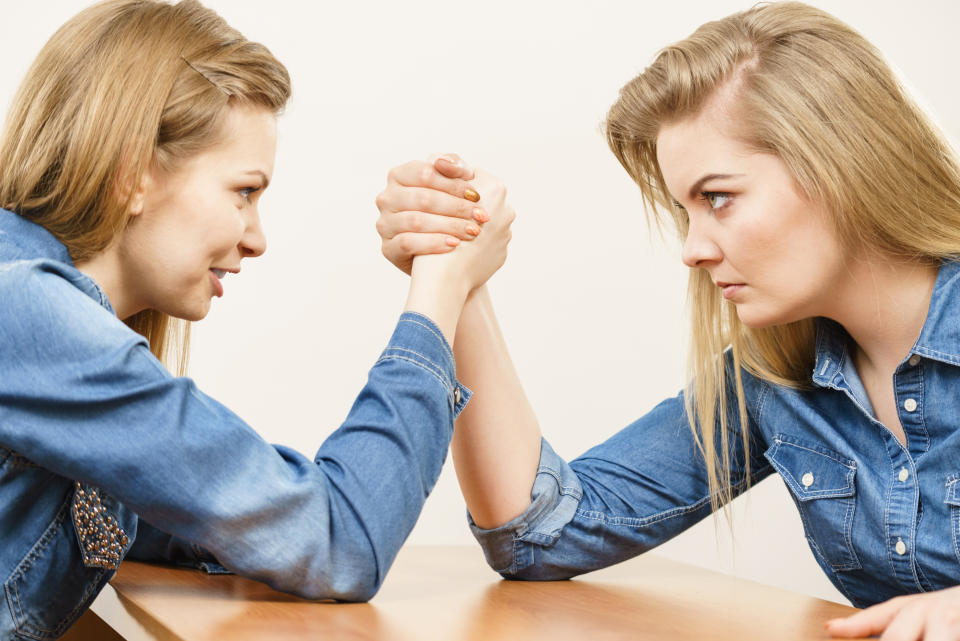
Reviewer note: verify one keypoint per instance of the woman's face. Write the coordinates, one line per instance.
(199, 222)
(774, 253)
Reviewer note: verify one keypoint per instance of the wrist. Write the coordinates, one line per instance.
(437, 291)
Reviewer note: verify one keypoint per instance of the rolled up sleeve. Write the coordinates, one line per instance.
(553, 503)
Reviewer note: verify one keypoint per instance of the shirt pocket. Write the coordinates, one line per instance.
(953, 500)
(822, 484)
(51, 585)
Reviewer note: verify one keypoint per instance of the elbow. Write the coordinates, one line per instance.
(347, 589)
(351, 578)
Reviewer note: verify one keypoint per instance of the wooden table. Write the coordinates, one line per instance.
(449, 594)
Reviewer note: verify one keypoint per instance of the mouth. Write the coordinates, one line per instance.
(216, 276)
(729, 289)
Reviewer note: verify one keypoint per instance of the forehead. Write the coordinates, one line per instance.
(697, 145)
(248, 138)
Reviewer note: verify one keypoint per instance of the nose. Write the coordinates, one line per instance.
(699, 248)
(253, 242)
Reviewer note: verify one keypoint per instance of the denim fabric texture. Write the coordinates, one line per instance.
(104, 454)
(882, 519)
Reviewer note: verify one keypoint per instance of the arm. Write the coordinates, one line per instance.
(496, 444)
(81, 395)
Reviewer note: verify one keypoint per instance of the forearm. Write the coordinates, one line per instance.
(496, 442)
(437, 292)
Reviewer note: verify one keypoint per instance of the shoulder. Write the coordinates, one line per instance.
(45, 308)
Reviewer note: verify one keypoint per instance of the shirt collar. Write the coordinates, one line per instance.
(21, 239)
(939, 338)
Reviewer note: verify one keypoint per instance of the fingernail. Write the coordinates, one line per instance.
(471, 195)
(453, 242)
(480, 216)
(473, 230)
(455, 163)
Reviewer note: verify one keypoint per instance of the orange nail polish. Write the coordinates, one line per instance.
(453, 242)
(471, 195)
(480, 216)
(473, 231)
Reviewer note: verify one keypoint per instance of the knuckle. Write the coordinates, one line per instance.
(381, 200)
(405, 244)
(423, 200)
(425, 175)
(394, 174)
(414, 222)
(381, 226)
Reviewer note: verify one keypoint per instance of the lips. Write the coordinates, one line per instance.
(215, 276)
(730, 289)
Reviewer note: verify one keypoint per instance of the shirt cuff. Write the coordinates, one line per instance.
(418, 339)
(553, 503)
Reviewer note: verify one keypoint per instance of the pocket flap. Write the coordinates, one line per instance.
(953, 490)
(812, 471)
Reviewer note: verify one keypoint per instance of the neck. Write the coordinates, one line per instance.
(106, 271)
(883, 305)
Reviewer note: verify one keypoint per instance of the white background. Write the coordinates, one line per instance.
(591, 303)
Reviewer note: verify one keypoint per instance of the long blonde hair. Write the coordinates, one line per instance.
(812, 91)
(123, 84)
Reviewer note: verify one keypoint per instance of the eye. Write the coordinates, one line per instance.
(247, 192)
(716, 199)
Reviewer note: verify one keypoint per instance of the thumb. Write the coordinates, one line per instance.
(452, 166)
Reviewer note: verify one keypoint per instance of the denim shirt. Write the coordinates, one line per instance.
(882, 519)
(105, 455)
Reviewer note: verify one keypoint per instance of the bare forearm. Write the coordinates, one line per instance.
(496, 443)
(438, 293)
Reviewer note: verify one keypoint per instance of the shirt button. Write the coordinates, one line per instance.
(910, 405)
(914, 360)
(456, 395)
(903, 475)
(807, 479)
(900, 547)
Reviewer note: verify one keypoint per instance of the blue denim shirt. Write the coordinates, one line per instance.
(882, 519)
(104, 454)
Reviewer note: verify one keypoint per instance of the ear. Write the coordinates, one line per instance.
(132, 193)
(139, 194)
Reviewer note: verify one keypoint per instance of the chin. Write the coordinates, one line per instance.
(758, 319)
(192, 313)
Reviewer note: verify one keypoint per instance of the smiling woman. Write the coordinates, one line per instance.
(131, 169)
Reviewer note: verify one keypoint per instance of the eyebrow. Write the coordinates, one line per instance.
(263, 177)
(697, 186)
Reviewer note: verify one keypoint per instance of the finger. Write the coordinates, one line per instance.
(871, 621)
(907, 625)
(451, 166)
(424, 174)
(404, 246)
(942, 628)
(418, 222)
(432, 201)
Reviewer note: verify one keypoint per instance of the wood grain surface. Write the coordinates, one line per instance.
(449, 594)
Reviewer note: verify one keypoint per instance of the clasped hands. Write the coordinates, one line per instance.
(440, 218)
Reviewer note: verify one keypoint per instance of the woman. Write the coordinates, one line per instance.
(820, 216)
(131, 168)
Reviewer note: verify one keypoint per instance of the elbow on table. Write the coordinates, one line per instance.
(345, 589)
(355, 579)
